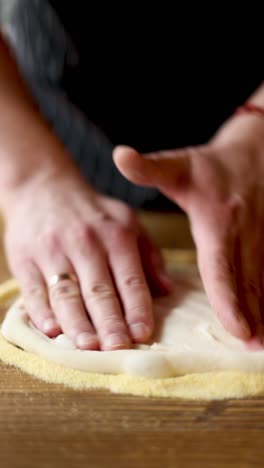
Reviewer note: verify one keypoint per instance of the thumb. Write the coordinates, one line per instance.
(169, 171)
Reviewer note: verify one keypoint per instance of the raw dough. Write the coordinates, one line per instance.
(188, 339)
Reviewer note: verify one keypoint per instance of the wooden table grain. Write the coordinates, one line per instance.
(46, 426)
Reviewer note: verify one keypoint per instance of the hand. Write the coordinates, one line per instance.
(220, 186)
(57, 224)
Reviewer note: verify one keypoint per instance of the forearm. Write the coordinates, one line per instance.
(27, 143)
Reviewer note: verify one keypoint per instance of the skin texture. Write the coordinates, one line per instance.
(112, 305)
(220, 187)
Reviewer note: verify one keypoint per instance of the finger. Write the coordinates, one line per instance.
(253, 298)
(251, 303)
(250, 306)
(218, 274)
(65, 298)
(99, 293)
(257, 341)
(154, 267)
(249, 288)
(36, 298)
(158, 280)
(249, 298)
(130, 281)
(119, 211)
(172, 175)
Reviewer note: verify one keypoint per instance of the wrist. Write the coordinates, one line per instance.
(244, 128)
(51, 183)
(25, 170)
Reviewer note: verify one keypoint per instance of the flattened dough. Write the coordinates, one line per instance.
(188, 339)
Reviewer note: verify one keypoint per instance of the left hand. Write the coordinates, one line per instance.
(220, 185)
(57, 224)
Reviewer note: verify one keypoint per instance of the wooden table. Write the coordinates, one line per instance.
(44, 425)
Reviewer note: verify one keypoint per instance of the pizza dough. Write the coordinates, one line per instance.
(188, 339)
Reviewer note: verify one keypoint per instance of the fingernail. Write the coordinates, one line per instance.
(140, 331)
(116, 341)
(49, 325)
(86, 340)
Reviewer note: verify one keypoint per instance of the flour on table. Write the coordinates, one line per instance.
(188, 339)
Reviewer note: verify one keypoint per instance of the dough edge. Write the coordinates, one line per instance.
(206, 386)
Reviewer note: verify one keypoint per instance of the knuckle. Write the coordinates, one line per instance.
(49, 240)
(134, 281)
(19, 252)
(130, 217)
(100, 291)
(127, 215)
(66, 291)
(136, 313)
(101, 217)
(34, 291)
(19, 262)
(112, 324)
(119, 234)
(78, 325)
(82, 239)
(84, 233)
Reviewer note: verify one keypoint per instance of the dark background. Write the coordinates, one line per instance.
(160, 78)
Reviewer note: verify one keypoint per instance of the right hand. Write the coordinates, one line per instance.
(220, 187)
